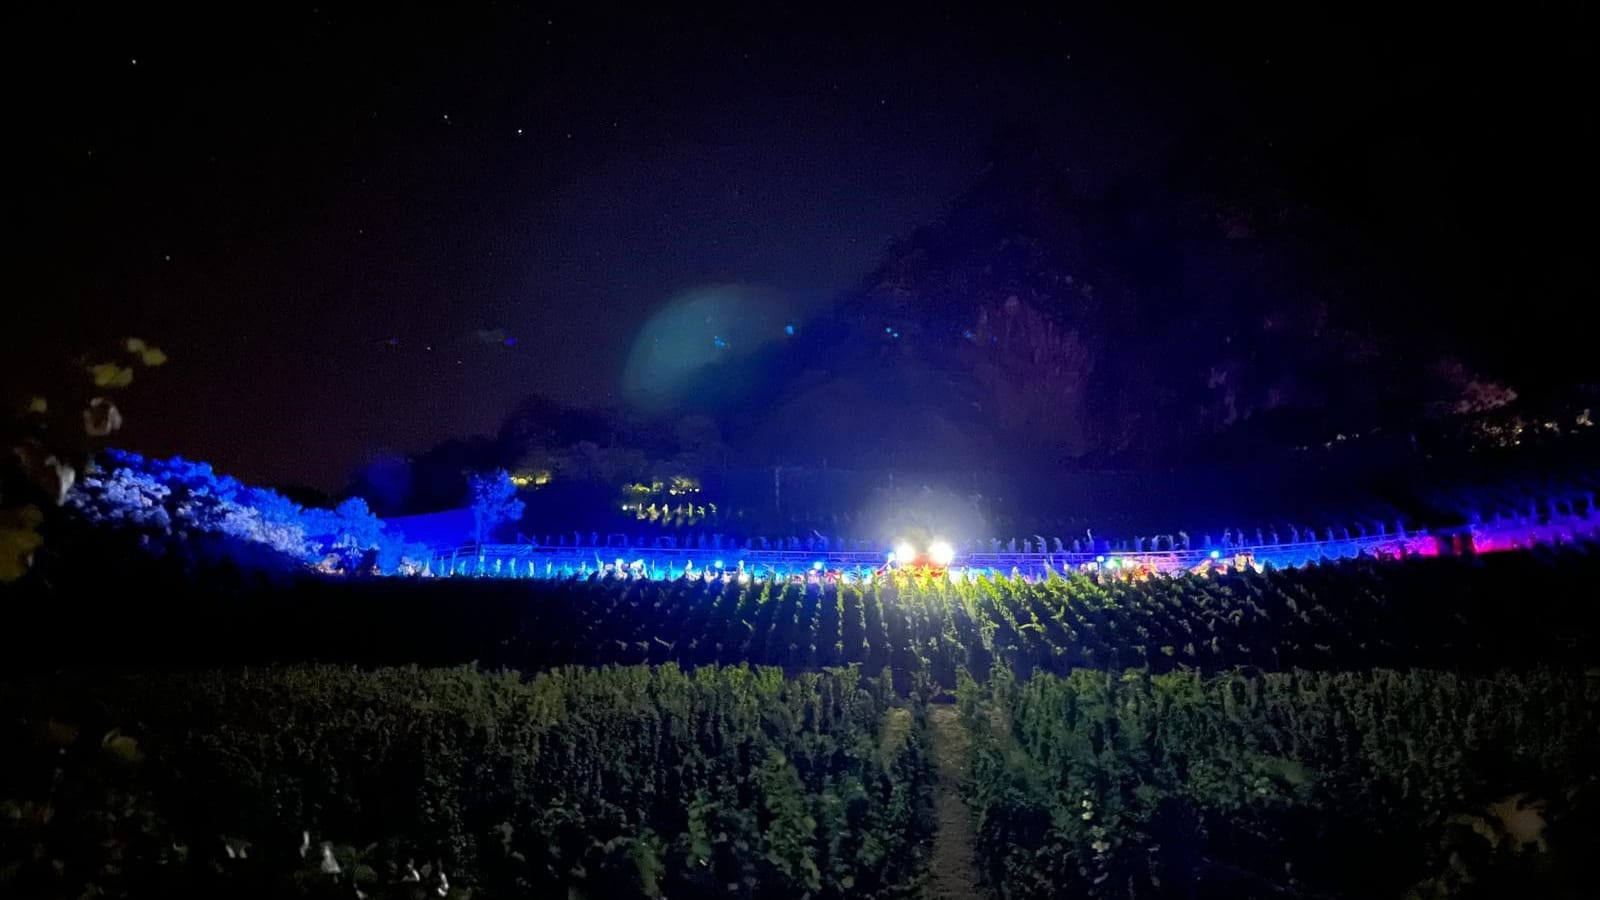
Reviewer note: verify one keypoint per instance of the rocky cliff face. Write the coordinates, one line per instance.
(1131, 327)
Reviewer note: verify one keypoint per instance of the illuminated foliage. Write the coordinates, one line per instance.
(175, 498)
(531, 478)
(101, 418)
(494, 501)
(150, 356)
(51, 461)
(111, 375)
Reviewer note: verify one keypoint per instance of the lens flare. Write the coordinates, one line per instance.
(941, 553)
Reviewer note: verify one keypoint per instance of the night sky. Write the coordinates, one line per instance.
(360, 232)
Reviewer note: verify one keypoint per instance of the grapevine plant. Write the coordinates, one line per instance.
(611, 783)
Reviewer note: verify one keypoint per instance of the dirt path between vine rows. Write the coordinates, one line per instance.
(953, 867)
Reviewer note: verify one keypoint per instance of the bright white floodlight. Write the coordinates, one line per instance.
(941, 553)
(904, 553)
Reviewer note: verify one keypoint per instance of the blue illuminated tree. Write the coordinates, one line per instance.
(494, 500)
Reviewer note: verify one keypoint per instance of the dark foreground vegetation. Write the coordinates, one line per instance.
(189, 727)
(317, 781)
(1379, 783)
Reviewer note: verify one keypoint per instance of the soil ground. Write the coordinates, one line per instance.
(952, 869)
